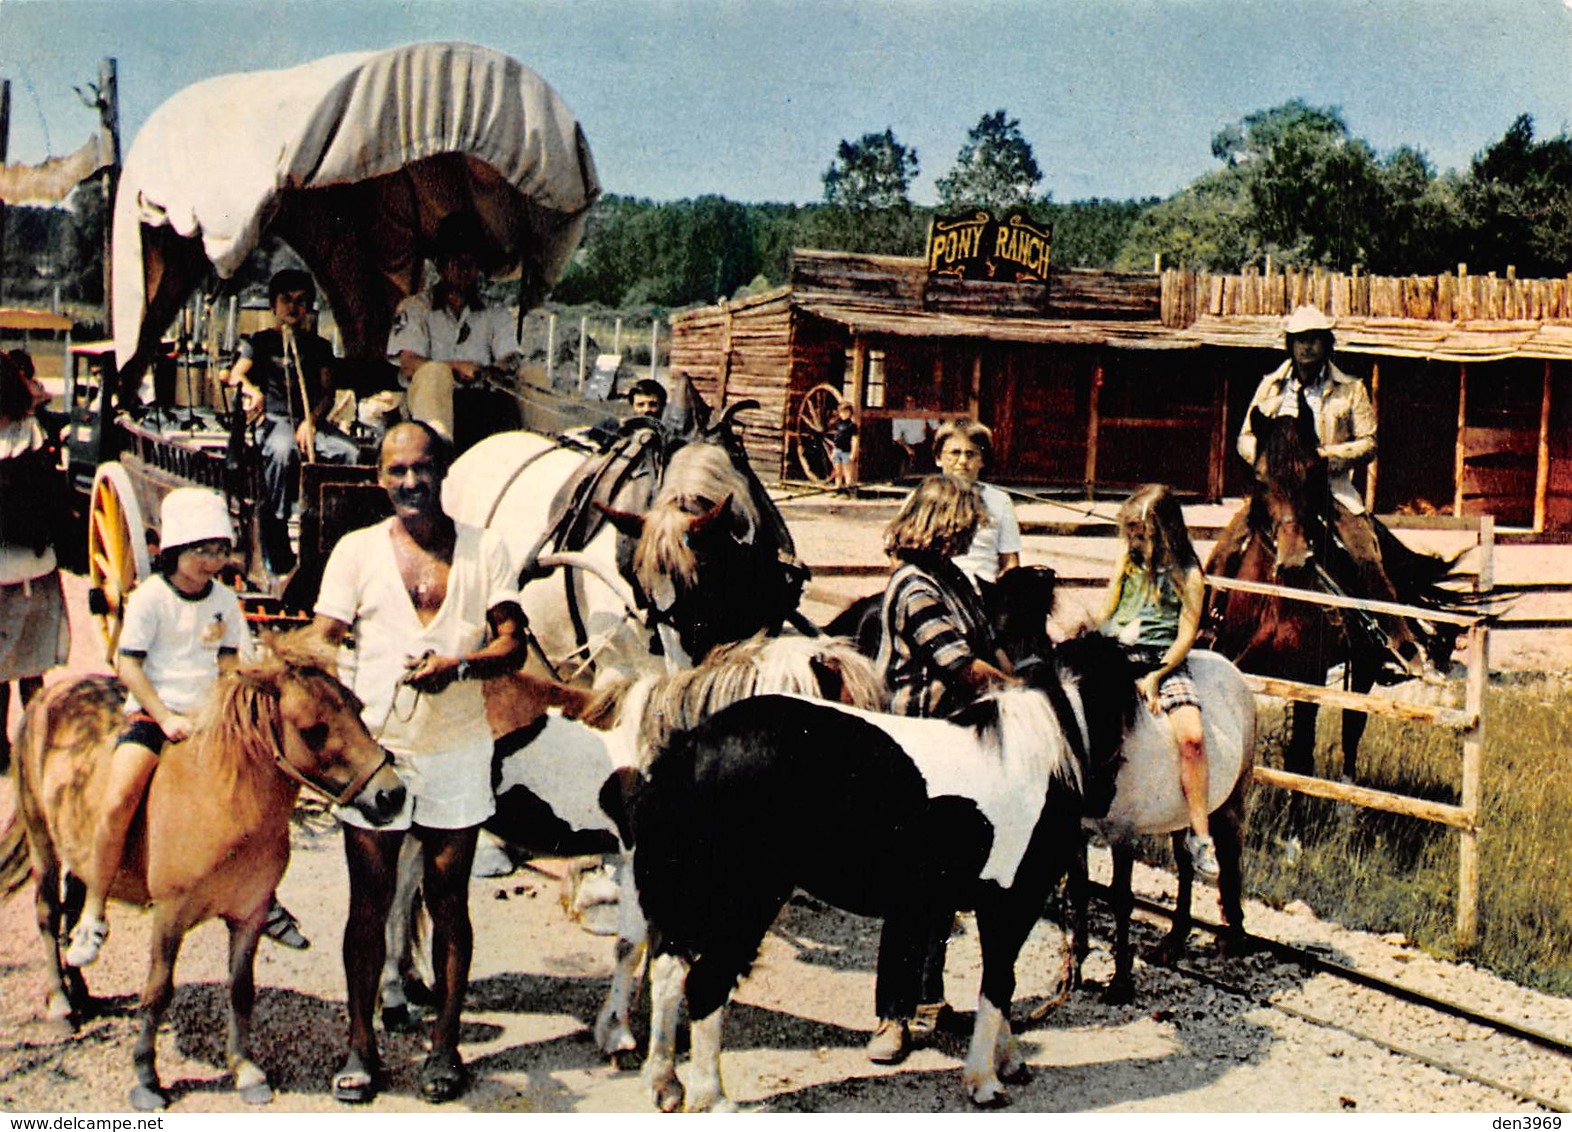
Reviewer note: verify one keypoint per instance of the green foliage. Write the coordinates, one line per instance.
(1202, 227)
(1517, 200)
(872, 173)
(1381, 872)
(995, 168)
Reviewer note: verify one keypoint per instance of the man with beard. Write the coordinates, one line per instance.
(434, 610)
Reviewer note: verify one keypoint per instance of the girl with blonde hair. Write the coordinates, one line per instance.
(1153, 606)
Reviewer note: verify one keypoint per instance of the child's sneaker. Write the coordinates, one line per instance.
(86, 939)
(1203, 855)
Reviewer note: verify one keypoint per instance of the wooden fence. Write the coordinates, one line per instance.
(1188, 295)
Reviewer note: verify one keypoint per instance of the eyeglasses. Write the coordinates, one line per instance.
(960, 454)
(208, 549)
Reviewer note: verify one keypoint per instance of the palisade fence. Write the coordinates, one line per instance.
(1460, 297)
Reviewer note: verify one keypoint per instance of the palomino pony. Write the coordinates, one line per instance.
(565, 754)
(1289, 542)
(212, 838)
(880, 815)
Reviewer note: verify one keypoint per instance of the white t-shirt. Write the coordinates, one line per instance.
(361, 587)
(1000, 535)
(913, 430)
(484, 336)
(179, 638)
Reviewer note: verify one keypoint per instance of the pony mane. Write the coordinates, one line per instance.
(699, 476)
(1020, 728)
(239, 728)
(1101, 672)
(820, 667)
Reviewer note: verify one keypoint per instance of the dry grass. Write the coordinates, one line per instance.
(1381, 872)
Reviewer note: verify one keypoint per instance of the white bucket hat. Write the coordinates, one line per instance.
(193, 514)
(1307, 319)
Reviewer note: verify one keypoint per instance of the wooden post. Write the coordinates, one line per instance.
(551, 349)
(109, 117)
(5, 143)
(725, 366)
(616, 337)
(1217, 458)
(974, 395)
(1374, 467)
(1485, 581)
(859, 371)
(654, 346)
(1473, 764)
(1462, 428)
(583, 352)
(1542, 467)
(1092, 423)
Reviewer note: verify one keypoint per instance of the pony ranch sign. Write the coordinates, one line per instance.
(976, 246)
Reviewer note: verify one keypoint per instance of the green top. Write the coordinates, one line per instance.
(1146, 614)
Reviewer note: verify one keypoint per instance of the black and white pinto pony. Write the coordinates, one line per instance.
(566, 754)
(1147, 798)
(885, 816)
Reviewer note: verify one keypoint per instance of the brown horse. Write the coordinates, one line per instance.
(1284, 536)
(212, 838)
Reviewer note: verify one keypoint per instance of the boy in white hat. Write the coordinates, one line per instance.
(182, 629)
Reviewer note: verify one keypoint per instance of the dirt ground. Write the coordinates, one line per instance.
(1295, 1042)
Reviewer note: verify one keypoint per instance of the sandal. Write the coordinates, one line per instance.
(443, 1077)
(354, 1083)
(282, 928)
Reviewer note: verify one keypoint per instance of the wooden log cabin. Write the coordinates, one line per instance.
(1101, 381)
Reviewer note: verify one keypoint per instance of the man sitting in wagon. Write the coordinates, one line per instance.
(452, 349)
(285, 381)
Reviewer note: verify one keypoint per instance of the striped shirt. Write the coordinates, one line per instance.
(932, 631)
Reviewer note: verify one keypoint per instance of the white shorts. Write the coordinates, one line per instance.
(448, 790)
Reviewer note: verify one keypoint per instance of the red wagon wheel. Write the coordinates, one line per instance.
(813, 431)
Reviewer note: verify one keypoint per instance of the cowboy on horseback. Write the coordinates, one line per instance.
(1338, 409)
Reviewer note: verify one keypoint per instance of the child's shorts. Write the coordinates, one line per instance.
(143, 730)
(1177, 689)
(839, 457)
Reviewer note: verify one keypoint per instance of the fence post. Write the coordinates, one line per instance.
(1473, 765)
(616, 337)
(551, 351)
(654, 343)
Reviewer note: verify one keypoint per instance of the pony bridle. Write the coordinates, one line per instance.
(344, 797)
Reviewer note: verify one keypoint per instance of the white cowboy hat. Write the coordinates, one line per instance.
(193, 514)
(1307, 319)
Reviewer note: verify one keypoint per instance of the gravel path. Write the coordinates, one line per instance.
(1295, 1042)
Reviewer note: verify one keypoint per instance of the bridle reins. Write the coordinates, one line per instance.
(295, 774)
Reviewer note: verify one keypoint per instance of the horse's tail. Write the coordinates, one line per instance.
(16, 859)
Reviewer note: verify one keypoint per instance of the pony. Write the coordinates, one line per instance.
(1147, 798)
(639, 558)
(1288, 541)
(212, 838)
(880, 815)
(565, 755)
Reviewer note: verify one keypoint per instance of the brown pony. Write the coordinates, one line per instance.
(212, 838)
(1288, 542)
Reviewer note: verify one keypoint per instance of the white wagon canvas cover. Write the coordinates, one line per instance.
(352, 160)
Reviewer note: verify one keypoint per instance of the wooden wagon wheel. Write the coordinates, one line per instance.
(813, 431)
(117, 555)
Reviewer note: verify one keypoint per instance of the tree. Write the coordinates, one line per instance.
(1517, 200)
(874, 172)
(995, 168)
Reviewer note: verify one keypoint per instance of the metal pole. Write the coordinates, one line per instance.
(583, 351)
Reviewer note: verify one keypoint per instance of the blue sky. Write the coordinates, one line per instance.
(749, 99)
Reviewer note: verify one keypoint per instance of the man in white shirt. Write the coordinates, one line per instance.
(447, 337)
(434, 608)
